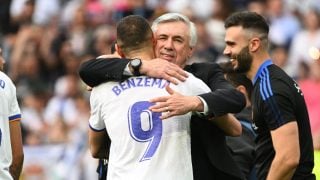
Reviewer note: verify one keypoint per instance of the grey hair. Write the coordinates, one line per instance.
(174, 17)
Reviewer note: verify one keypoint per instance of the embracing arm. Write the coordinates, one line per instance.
(96, 71)
(224, 101)
(224, 98)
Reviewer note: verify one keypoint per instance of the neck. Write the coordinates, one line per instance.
(258, 60)
(145, 54)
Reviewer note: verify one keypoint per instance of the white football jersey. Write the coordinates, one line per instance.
(9, 111)
(142, 145)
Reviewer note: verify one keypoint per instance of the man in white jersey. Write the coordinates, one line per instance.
(142, 145)
(11, 152)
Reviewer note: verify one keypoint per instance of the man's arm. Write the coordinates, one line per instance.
(178, 104)
(96, 71)
(224, 98)
(99, 141)
(98, 144)
(287, 155)
(229, 124)
(17, 150)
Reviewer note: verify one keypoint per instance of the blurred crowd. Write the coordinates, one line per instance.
(45, 41)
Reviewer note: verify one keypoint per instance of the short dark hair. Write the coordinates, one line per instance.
(248, 20)
(236, 79)
(133, 32)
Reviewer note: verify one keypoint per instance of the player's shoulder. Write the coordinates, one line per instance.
(105, 85)
(201, 65)
(276, 76)
(276, 81)
(276, 71)
(5, 81)
(4, 77)
(189, 74)
(192, 82)
(191, 78)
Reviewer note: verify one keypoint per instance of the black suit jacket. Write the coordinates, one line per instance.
(210, 156)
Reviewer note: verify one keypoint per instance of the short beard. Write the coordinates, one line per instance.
(244, 60)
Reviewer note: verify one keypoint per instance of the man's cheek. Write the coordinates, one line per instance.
(157, 52)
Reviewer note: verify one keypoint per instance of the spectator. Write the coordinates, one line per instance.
(311, 92)
(308, 37)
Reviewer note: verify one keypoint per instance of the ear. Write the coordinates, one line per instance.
(118, 49)
(242, 89)
(254, 44)
(154, 41)
(191, 52)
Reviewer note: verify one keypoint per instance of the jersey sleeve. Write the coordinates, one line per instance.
(14, 110)
(96, 123)
(278, 102)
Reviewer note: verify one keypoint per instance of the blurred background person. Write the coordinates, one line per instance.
(308, 37)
